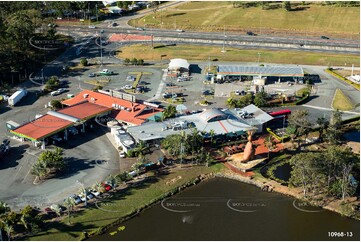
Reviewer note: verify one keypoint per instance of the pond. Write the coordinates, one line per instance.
(283, 172)
(223, 209)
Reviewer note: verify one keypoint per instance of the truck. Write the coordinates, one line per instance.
(17, 96)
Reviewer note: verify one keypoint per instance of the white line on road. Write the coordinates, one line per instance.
(329, 109)
(17, 172)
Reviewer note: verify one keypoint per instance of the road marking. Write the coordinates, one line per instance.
(17, 172)
(26, 176)
(329, 109)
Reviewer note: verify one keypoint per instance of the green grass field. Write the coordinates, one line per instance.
(202, 53)
(120, 205)
(341, 101)
(314, 19)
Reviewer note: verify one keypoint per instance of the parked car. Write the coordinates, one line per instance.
(106, 72)
(92, 27)
(57, 92)
(88, 196)
(170, 84)
(73, 130)
(179, 30)
(324, 37)
(167, 95)
(76, 198)
(56, 207)
(127, 87)
(130, 78)
(114, 24)
(95, 193)
(106, 187)
(250, 33)
(122, 154)
(56, 138)
(91, 75)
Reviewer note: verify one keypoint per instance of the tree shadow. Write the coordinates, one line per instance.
(15, 154)
(74, 166)
(175, 14)
(298, 9)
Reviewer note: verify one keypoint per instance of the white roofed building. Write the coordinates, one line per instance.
(178, 66)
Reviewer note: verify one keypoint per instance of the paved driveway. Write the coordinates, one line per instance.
(90, 158)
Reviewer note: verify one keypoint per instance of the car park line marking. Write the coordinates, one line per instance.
(26, 176)
(18, 172)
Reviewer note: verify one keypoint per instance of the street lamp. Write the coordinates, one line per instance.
(85, 193)
(259, 56)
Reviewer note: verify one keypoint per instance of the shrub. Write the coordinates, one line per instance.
(56, 104)
(126, 61)
(52, 84)
(83, 61)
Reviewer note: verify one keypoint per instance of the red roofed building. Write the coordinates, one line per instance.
(131, 113)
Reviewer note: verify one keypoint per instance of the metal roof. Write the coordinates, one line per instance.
(252, 70)
(258, 117)
(209, 114)
(63, 116)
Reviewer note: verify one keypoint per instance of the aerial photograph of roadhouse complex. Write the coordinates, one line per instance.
(180, 120)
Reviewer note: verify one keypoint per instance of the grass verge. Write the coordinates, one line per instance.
(332, 72)
(199, 52)
(341, 101)
(122, 203)
(316, 19)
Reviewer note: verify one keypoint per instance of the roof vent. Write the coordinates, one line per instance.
(92, 99)
(85, 95)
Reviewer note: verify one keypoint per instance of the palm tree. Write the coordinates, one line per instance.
(269, 143)
(69, 203)
(208, 159)
(113, 181)
(24, 221)
(84, 191)
(9, 230)
(212, 134)
(4, 207)
(141, 148)
(98, 187)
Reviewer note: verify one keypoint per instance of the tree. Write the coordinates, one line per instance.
(260, 99)
(333, 133)
(98, 187)
(140, 149)
(306, 172)
(126, 61)
(56, 104)
(69, 203)
(48, 162)
(134, 61)
(140, 62)
(322, 126)
(83, 61)
(269, 143)
(4, 207)
(9, 230)
(52, 83)
(169, 112)
(113, 181)
(231, 102)
(287, 5)
(298, 119)
(212, 134)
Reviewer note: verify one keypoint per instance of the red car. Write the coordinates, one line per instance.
(106, 187)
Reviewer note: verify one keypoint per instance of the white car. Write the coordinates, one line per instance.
(179, 30)
(121, 154)
(139, 28)
(130, 78)
(92, 27)
(95, 193)
(127, 87)
(57, 92)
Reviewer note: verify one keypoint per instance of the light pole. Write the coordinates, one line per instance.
(259, 56)
(85, 193)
